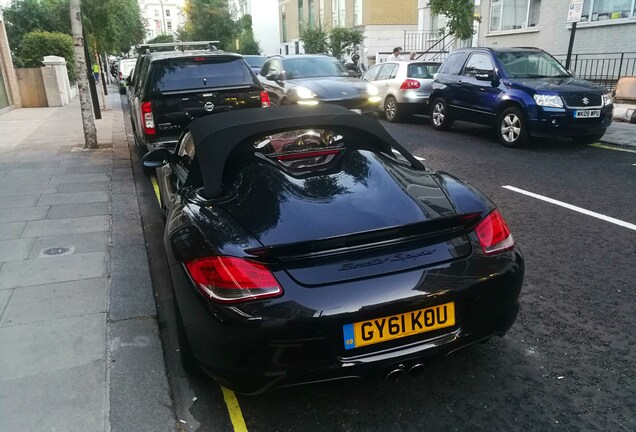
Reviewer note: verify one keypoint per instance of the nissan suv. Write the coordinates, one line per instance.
(169, 89)
(522, 92)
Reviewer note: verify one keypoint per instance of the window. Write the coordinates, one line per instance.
(530, 64)
(453, 64)
(301, 15)
(167, 12)
(357, 12)
(337, 13)
(312, 14)
(283, 21)
(508, 15)
(421, 70)
(389, 71)
(194, 73)
(156, 12)
(322, 12)
(372, 73)
(169, 25)
(478, 63)
(601, 10)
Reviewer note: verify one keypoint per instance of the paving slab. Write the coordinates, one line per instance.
(122, 174)
(4, 299)
(89, 169)
(9, 166)
(137, 373)
(74, 197)
(126, 186)
(18, 214)
(68, 400)
(11, 201)
(78, 210)
(55, 301)
(80, 178)
(40, 271)
(84, 162)
(27, 189)
(125, 203)
(72, 225)
(12, 180)
(51, 345)
(12, 250)
(11, 230)
(81, 243)
(127, 230)
(131, 293)
(83, 187)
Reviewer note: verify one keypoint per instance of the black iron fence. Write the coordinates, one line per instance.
(602, 68)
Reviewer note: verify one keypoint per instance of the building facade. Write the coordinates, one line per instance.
(162, 16)
(606, 26)
(264, 22)
(383, 23)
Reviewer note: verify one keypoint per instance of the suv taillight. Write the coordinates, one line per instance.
(265, 102)
(231, 280)
(410, 84)
(147, 120)
(494, 234)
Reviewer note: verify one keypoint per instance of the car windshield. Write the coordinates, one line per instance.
(531, 64)
(313, 67)
(255, 61)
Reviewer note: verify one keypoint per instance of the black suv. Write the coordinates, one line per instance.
(520, 91)
(171, 88)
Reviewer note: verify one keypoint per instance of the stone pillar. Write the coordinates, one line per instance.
(6, 65)
(58, 89)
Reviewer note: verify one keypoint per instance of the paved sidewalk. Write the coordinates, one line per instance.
(621, 133)
(80, 348)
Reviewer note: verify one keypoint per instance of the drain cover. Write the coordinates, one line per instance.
(56, 251)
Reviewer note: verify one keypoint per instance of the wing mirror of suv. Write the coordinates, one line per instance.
(273, 76)
(485, 76)
(157, 158)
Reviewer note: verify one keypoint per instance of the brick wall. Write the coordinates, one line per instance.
(8, 72)
(378, 12)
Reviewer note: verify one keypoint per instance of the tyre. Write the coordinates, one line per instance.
(589, 139)
(512, 129)
(391, 110)
(440, 117)
(190, 364)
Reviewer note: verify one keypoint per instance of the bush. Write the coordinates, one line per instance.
(37, 44)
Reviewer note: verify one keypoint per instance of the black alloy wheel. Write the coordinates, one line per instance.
(512, 130)
(440, 117)
(391, 110)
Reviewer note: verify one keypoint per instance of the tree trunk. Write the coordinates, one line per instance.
(88, 122)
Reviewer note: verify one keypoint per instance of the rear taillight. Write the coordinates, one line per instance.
(410, 84)
(231, 280)
(265, 102)
(147, 120)
(494, 234)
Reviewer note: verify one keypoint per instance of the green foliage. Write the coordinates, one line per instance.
(209, 20)
(247, 43)
(37, 44)
(24, 16)
(460, 16)
(314, 39)
(343, 40)
(167, 38)
(113, 25)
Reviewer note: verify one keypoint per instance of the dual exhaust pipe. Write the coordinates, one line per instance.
(401, 370)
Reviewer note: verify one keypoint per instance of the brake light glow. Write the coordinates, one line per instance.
(147, 120)
(494, 234)
(199, 59)
(265, 102)
(410, 84)
(231, 280)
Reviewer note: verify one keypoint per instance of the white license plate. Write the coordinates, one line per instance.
(587, 114)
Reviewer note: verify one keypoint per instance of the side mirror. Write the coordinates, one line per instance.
(485, 76)
(273, 76)
(127, 81)
(157, 158)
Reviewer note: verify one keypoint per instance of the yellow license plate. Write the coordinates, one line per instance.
(398, 326)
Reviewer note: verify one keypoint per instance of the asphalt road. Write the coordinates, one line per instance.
(568, 363)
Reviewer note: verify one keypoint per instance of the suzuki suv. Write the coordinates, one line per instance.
(521, 92)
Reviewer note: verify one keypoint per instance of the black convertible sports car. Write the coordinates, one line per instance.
(306, 244)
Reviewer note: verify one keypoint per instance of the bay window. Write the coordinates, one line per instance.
(508, 15)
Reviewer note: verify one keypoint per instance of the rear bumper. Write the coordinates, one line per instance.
(168, 143)
(561, 122)
(291, 341)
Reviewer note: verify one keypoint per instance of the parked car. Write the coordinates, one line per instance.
(305, 250)
(311, 79)
(521, 92)
(404, 86)
(125, 70)
(171, 88)
(255, 62)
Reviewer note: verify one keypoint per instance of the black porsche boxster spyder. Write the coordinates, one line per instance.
(305, 244)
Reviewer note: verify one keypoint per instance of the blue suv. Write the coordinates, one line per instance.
(521, 92)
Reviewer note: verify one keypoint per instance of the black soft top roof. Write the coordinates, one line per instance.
(215, 136)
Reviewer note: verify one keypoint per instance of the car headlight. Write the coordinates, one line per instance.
(304, 93)
(372, 90)
(548, 101)
(607, 99)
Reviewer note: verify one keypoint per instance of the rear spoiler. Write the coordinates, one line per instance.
(426, 232)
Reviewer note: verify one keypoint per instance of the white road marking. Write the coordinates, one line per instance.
(574, 208)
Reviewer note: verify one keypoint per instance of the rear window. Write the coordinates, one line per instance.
(422, 70)
(201, 73)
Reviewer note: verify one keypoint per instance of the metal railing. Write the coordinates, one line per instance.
(602, 68)
(432, 45)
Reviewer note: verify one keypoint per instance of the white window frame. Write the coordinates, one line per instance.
(338, 18)
(590, 14)
(357, 12)
(500, 4)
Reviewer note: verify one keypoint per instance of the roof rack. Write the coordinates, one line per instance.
(181, 46)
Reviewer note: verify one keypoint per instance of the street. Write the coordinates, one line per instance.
(567, 363)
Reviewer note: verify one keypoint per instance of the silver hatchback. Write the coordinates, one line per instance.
(404, 86)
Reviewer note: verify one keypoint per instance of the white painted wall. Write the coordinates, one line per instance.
(265, 25)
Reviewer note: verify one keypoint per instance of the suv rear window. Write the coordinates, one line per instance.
(200, 73)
